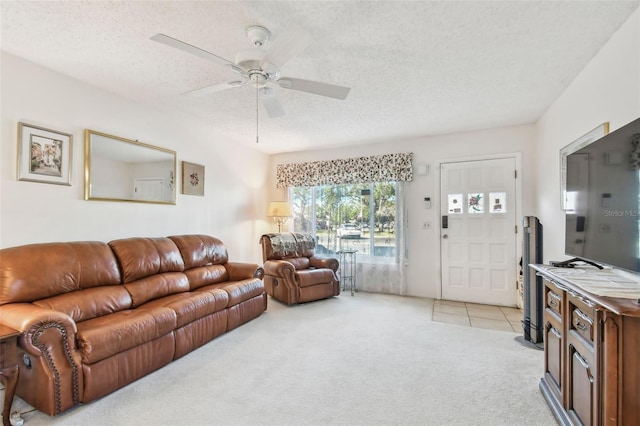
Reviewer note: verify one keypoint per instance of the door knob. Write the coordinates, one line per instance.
(445, 236)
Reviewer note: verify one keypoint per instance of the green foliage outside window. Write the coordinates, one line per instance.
(348, 216)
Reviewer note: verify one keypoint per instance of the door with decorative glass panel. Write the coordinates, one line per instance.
(478, 231)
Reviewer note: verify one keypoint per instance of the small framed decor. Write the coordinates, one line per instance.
(579, 143)
(192, 179)
(44, 155)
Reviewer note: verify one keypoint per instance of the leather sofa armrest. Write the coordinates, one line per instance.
(35, 322)
(324, 262)
(48, 342)
(242, 270)
(279, 268)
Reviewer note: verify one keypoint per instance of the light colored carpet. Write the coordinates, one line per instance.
(366, 360)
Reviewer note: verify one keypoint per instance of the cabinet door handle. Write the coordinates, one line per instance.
(555, 332)
(584, 317)
(585, 364)
(553, 302)
(580, 325)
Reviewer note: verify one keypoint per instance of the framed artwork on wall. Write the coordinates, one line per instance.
(44, 155)
(192, 179)
(579, 143)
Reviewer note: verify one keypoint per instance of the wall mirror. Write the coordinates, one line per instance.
(119, 169)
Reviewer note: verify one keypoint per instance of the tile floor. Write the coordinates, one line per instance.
(475, 315)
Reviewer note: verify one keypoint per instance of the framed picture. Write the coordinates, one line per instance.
(579, 143)
(192, 179)
(44, 155)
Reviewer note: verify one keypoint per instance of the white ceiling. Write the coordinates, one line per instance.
(414, 67)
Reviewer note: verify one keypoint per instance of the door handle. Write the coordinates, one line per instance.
(445, 222)
(445, 236)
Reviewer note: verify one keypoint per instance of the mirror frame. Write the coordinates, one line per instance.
(87, 167)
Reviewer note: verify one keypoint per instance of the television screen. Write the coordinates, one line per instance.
(602, 200)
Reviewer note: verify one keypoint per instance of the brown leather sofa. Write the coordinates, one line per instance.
(96, 316)
(293, 273)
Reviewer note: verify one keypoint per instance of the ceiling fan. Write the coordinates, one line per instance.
(261, 67)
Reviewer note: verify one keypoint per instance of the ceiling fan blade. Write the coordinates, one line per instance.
(186, 47)
(214, 88)
(271, 104)
(293, 41)
(315, 87)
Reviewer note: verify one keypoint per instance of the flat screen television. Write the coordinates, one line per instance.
(602, 200)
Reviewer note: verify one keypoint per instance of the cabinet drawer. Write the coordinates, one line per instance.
(582, 314)
(582, 323)
(554, 302)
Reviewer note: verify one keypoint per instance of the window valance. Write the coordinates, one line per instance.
(376, 168)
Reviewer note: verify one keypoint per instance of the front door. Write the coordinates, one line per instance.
(478, 231)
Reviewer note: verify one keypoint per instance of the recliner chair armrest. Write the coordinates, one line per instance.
(324, 262)
(279, 268)
(242, 270)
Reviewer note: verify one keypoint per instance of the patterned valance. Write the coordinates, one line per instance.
(376, 168)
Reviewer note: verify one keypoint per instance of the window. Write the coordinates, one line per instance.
(349, 216)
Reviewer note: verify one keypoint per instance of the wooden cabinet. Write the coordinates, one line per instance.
(592, 353)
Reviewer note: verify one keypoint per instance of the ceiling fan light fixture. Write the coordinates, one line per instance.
(273, 75)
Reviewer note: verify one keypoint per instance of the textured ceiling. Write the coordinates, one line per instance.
(414, 68)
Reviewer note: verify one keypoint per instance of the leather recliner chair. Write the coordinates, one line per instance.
(293, 274)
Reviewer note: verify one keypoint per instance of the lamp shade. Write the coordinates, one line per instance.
(279, 209)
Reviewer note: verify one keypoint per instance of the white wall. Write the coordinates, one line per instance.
(608, 89)
(424, 245)
(36, 212)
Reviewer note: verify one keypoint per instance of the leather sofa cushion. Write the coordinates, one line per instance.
(200, 250)
(38, 271)
(157, 286)
(142, 257)
(89, 303)
(192, 306)
(205, 275)
(311, 277)
(102, 337)
(238, 291)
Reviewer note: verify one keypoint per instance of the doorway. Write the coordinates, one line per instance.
(478, 231)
